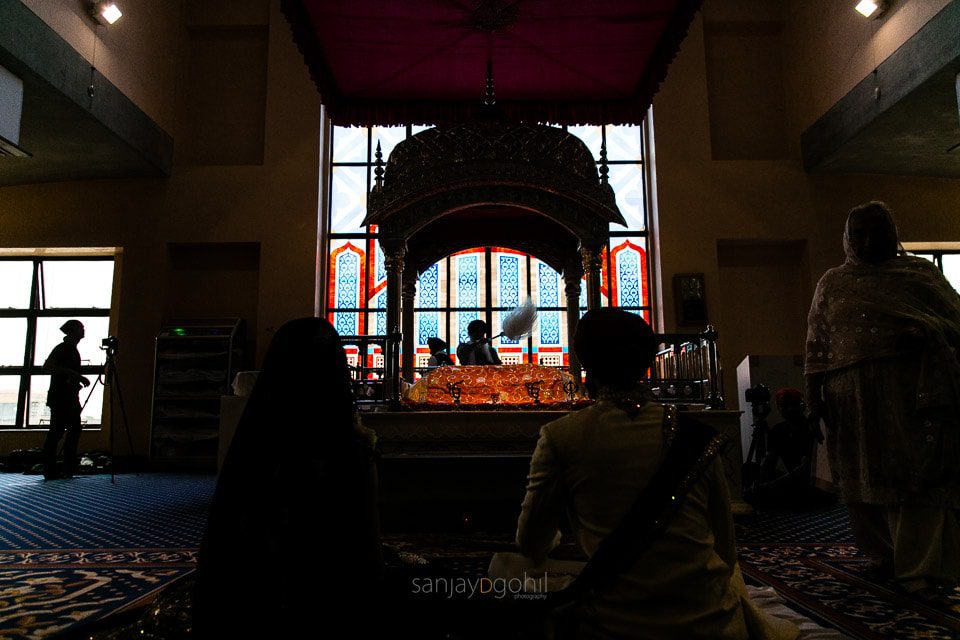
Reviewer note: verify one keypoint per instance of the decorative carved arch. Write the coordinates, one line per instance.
(529, 187)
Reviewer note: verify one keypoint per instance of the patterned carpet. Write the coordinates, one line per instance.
(73, 552)
(810, 559)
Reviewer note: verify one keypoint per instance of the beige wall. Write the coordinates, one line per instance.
(273, 204)
(135, 53)
(707, 207)
(832, 47)
(703, 201)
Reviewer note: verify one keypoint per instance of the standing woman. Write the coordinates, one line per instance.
(882, 374)
(292, 545)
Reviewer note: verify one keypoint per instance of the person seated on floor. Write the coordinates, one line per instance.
(672, 572)
(438, 353)
(478, 349)
(786, 478)
(292, 544)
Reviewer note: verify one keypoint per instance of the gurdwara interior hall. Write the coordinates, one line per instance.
(448, 188)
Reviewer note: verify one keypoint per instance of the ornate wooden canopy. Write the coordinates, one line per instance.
(490, 182)
(489, 164)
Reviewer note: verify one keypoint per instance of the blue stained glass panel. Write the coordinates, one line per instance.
(509, 281)
(628, 278)
(627, 264)
(428, 288)
(381, 317)
(468, 293)
(549, 327)
(428, 327)
(381, 269)
(509, 286)
(348, 280)
(464, 318)
(346, 324)
(549, 281)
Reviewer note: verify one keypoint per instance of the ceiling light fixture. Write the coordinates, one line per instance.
(871, 8)
(105, 12)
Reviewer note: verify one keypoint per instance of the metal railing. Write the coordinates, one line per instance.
(686, 368)
(376, 375)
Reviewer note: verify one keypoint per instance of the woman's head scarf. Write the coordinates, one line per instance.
(303, 396)
(870, 235)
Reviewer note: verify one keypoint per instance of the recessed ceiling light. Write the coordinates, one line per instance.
(106, 12)
(871, 8)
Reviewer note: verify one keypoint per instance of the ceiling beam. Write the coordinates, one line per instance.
(901, 118)
(73, 133)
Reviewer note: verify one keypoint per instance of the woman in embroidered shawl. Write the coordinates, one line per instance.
(882, 373)
(292, 547)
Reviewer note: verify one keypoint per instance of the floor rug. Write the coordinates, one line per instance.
(837, 587)
(74, 552)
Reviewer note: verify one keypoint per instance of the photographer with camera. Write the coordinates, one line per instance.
(63, 366)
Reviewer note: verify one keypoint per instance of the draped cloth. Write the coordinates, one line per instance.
(886, 336)
(866, 312)
(292, 547)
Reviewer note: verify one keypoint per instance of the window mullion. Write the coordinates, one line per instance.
(29, 347)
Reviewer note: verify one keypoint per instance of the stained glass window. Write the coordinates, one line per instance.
(484, 282)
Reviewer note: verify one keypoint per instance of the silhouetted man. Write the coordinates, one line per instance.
(478, 349)
(63, 365)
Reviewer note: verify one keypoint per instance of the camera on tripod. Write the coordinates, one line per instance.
(110, 345)
(759, 398)
(757, 394)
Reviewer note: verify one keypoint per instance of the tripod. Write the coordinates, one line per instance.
(753, 465)
(112, 381)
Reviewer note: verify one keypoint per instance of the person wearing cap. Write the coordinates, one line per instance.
(63, 367)
(612, 467)
(439, 356)
(790, 440)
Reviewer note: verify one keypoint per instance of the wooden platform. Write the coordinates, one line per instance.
(466, 470)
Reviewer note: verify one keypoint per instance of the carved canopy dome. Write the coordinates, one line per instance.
(531, 168)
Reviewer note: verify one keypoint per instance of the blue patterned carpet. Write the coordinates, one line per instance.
(75, 551)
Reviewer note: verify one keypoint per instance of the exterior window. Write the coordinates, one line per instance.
(37, 297)
(484, 282)
(948, 261)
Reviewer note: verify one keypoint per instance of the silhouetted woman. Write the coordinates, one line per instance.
(882, 372)
(292, 544)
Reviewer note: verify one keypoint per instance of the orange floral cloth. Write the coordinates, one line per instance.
(489, 387)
